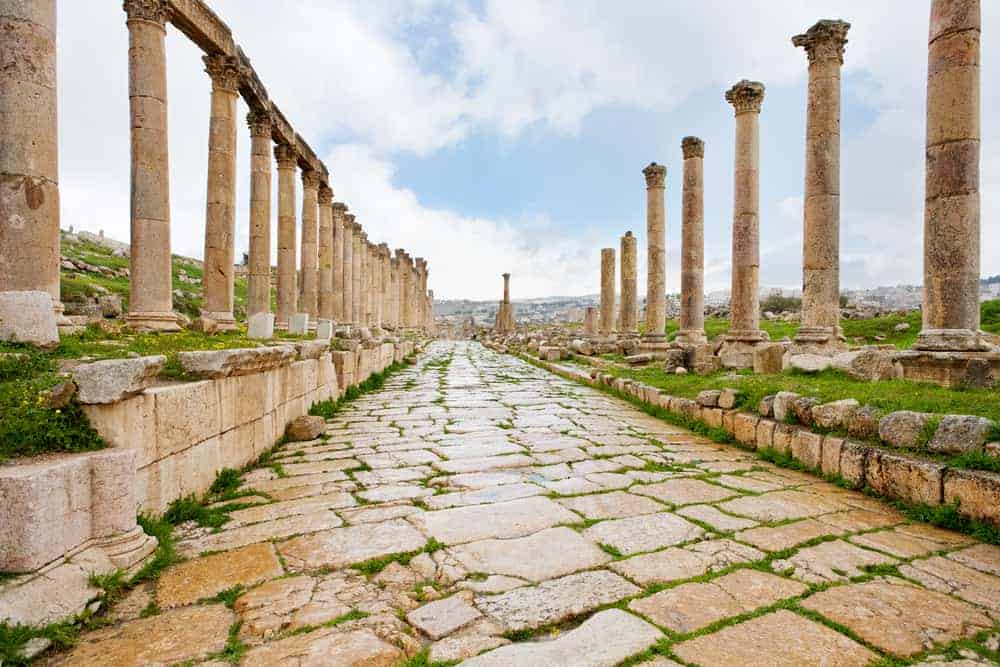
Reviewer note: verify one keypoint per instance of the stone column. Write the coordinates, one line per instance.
(506, 287)
(692, 324)
(310, 246)
(656, 257)
(629, 317)
(338, 209)
(325, 200)
(150, 298)
(366, 281)
(259, 271)
(348, 304)
(394, 292)
(376, 290)
(590, 322)
(287, 290)
(431, 322)
(220, 207)
(421, 296)
(951, 210)
(607, 323)
(820, 331)
(356, 311)
(403, 287)
(386, 291)
(29, 160)
(744, 327)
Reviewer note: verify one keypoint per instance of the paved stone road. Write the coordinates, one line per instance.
(535, 510)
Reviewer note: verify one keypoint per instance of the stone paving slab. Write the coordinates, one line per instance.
(515, 518)
(354, 544)
(544, 555)
(614, 505)
(199, 578)
(674, 564)
(644, 533)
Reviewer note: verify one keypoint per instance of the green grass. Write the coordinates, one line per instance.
(373, 566)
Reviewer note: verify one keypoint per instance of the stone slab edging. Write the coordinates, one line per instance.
(888, 474)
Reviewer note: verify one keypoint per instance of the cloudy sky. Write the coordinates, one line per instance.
(509, 135)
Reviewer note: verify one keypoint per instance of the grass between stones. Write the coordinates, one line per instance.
(373, 566)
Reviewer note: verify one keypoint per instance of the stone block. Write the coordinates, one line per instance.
(783, 436)
(902, 429)
(853, 462)
(306, 427)
(113, 380)
(977, 493)
(767, 358)
(207, 364)
(766, 407)
(324, 330)
(951, 369)
(868, 365)
(186, 414)
(298, 324)
(745, 428)
(765, 433)
(960, 433)
(260, 326)
(834, 415)
(312, 349)
(783, 404)
(129, 424)
(802, 409)
(912, 480)
(830, 463)
(728, 398)
(809, 363)
(807, 447)
(712, 417)
(28, 317)
(729, 421)
(863, 423)
(709, 398)
(197, 466)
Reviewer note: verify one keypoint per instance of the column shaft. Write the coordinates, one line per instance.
(150, 298)
(356, 311)
(338, 261)
(287, 290)
(692, 324)
(29, 160)
(607, 323)
(220, 205)
(628, 318)
(951, 316)
(259, 275)
(656, 254)
(310, 248)
(325, 200)
(348, 304)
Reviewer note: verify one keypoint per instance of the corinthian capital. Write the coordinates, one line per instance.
(310, 178)
(746, 96)
(325, 195)
(339, 208)
(260, 122)
(224, 70)
(824, 41)
(656, 175)
(285, 155)
(147, 10)
(692, 147)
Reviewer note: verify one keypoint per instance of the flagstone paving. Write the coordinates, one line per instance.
(481, 509)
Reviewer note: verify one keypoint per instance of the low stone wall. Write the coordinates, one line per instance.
(890, 474)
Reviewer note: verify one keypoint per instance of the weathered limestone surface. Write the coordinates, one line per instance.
(287, 247)
(628, 319)
(692, 320)
(310, 244)
(656, 254)
(606, 326)
(259, 274)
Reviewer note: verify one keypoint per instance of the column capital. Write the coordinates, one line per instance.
(825, 40)
(225, 71)
(260, 121)
(339, 207)
(656, 175)
(692, 147)
(310, 179)
(325, 195)
(285, 156)
(506, 276)
(349, 219)
(746, 96)
(156, 11)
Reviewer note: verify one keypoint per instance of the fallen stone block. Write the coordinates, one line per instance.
(809, 363)
(960, 433)
(834, 415)
(867, 365)
(306, 427)
(903, 429)
(767, 358)
(113, 380)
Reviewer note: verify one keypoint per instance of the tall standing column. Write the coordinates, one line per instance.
(420, 292)
(356, 311)
(29, 159)
(349, 269)
(744, 327)
(403, 287)
(376, 288)
(259, 275)
(951, 210)
(607, 322)
(656, 257)
(386, 292)
(325, 200)
(287, 290)
(150, 297)
(506, 288)
(338, 209)
(692, 324)
(394, 292)
(629, 317)
(820, 331)
(310, 248)
(220, 207)
(366, 280)
(590, 322)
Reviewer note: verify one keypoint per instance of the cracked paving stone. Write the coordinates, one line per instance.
(982, 557)
(279, 510)
(385, 494)
(190, 581)
(948, 576)
(326, 646)
(644, 533)
(781, 506)
(495, 494)
(260, 532)
(779, 538)
(674, 564)
(685, 492)
(614, 505)
(881, 612)
(831, 561)
(484, 464)
(354, 544)
(715, 518)
(441, 618)
(515, 518)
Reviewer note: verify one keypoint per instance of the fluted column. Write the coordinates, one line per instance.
(607, 322)
(220, 207)
(692, 324)
(349, 269)
(820, 331)
(356, 311)
(744, 328)
(150, 283)
(656, 256)
(29, 160)
(310, 247)
(629, 315)
(259, 251)
(287, 290)
(325, 200)
(338, 209)
(951, 316)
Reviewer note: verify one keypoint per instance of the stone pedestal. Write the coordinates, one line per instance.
(744, 332)
(260, 326)
(820, 332)
(606, 325)
(692, 320)
(220, 208)
(951, 210)
(628, 318)
(310, 243)
(976, 370)
(298, 325)
(150, 296)
(29, 165)
(259, 273)
(287, 291)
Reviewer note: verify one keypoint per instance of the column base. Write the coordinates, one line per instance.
(656, 347)
(223, 321)
(951, 340)
(951, 369)
(738, 346)
(823, 341)
(691, 337)
(152, 321)
(128, 550)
